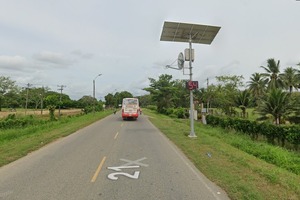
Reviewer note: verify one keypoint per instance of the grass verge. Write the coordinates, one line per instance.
(241, 175)
(16, 143)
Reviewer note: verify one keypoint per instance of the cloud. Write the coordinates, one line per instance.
(53, 58)
(78, 53)
(13, 62)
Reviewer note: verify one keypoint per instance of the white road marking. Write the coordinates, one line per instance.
(113, 176)
(130, 164)
(118, 169)
(135, 162)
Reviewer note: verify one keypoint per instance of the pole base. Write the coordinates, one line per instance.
(192, 135)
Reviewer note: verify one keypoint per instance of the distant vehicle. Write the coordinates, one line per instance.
(130, 108)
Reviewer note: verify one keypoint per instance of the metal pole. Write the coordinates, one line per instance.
(61, 89)
(27, 93)
(192, 133)
(60, 101)
(94, 88)
(94, 91)
(27, 90)
(42, 97)
(94, 84)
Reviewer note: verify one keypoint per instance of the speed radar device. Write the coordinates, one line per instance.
(190, 33)
(191, 85)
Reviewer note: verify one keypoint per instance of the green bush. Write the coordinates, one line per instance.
(293, 135)
(271, 132)
(152, 107)
(12, 122)
(181, 113)
(169, 111)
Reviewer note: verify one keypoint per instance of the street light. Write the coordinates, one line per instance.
(94, 85)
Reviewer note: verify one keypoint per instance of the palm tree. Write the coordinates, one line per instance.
(298, 74)
(277, 103)
(243, 100)
(272, 74)
(257, 86)
(290, 78)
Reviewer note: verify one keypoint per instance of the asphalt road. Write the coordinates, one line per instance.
(110, 159)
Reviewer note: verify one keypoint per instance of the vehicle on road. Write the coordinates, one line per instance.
(130, 108)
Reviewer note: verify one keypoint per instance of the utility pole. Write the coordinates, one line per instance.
(27, 93)
(192, 132)
(207, 105)
(94, 98)
(61, 87)
(42, 99)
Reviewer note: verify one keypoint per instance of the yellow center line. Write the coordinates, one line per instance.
(116, 135)
(98, 170)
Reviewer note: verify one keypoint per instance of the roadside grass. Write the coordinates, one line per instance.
(20, 112)
(16, 143)
(218, 154)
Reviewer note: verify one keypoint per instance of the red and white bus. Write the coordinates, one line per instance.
(130, 108)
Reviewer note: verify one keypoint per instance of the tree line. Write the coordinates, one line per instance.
(12, 97)
(271, 93)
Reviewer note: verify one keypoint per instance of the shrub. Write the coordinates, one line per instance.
(152, 107)
(181, 113)
(13, 122)
(271, 132)
(169, 111)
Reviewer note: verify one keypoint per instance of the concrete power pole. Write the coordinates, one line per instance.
(27, 94)
(61, 87)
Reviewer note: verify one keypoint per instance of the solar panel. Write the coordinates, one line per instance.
(181, 32)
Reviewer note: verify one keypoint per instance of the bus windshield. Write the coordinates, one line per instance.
(130, 102)
(130, 108)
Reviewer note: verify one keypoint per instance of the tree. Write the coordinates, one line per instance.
(233, 81)
(257, 86)
(12, 100)
(86, 101)
(145, 100)
(272, 74)
(52, 100)
(37, 96)
(163, 92)
(243, 100)
(226, 91)
(6, 86)
(109, 100)
(290, 78)
(181, 94)
(201, 95)
(118, 97)
(295, 102)
(277, 103)
(90, 104)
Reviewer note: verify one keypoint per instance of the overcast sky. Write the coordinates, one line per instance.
(69, 42)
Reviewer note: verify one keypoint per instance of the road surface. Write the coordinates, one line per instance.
(110, 159)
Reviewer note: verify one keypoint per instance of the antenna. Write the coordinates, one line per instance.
(180, 62)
